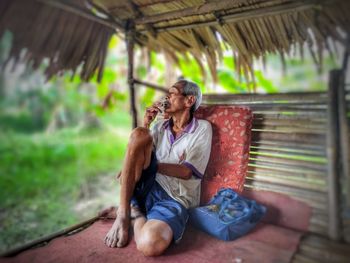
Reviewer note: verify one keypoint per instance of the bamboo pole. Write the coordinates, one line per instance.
(245, 15)
(307, 124)
(316, 199)
(286, 129)
(262, 98)
(282, 148)
(344, 127)
(298, 194)
(284, 108)
(324, 254)
(130, 42)
(321, 221)
(286, 172)
(295, 117)
(290, 144)
(291, 111)
(301, 184)
(288, 118)
(324, 243)
(297, 114)
(335, 79)
(300, 138)
(190, 11)
(288, 163)
(317, 105)
(284, 152)
(47, 238)
(301, 258)
(150, 85)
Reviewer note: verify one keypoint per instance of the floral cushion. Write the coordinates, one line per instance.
(229, 156)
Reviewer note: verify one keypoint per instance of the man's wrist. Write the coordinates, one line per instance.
(159, 167)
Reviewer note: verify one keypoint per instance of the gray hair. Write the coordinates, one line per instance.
(191, 88)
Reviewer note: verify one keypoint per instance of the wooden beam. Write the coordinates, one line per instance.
(195, 10)
(155, 2)
(150, 85)
(91, 4)
(130, 43)
(333, 150)
(80, 12)
(245, 15)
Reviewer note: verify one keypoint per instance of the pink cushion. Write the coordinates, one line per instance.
(282, 210)
(229, 156)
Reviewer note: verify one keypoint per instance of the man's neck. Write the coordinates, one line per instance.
(181, 120)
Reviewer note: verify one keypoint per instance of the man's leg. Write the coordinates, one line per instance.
(137, 158)
(152, 237)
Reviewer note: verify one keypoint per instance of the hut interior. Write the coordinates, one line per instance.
(300, 141)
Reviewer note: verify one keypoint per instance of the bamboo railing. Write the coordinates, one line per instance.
(294, 151)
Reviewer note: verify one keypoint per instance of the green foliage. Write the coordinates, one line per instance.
(27, 111)
(148, 98)
(228, 81)
(191, 70)
(42, 175)
(5, 45)
(264, 83)
(141, 72)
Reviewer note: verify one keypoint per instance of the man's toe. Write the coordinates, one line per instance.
(122, 241)
(114, 242)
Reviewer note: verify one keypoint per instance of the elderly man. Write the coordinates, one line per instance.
(162, 173)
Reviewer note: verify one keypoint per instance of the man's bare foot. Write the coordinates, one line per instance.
(118, 235)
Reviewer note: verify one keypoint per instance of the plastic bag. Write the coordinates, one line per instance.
(228, 215)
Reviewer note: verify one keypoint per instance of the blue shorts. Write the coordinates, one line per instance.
(155, 203)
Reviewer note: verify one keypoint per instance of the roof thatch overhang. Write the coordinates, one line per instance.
(74, 32)
(46, 30)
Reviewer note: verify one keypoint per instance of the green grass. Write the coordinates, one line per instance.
(41, 178)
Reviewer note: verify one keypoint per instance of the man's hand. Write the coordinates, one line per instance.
(150, 115)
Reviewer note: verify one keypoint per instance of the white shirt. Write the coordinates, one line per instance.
(191, 148)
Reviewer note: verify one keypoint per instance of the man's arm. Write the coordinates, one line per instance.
(175, 170)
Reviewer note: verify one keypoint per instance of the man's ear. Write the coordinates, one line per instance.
(190, 100)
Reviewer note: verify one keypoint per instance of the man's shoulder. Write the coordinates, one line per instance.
(204, 124)
(204, 127)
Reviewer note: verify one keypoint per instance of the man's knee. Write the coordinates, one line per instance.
(140, 135)
(153, 242)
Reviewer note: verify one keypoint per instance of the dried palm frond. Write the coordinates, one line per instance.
(252, 29)
(67, 40)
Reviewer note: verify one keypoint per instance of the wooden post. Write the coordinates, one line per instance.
(333, 149)
(130, 42)
(344, 145)
(344, 128)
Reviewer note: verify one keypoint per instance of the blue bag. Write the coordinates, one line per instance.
(227, 216)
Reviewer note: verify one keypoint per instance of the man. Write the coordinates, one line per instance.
(161, 173)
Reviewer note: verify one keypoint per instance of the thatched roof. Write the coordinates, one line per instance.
(251, 28)
(46, 31)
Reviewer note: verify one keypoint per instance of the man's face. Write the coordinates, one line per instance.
(177, 101)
